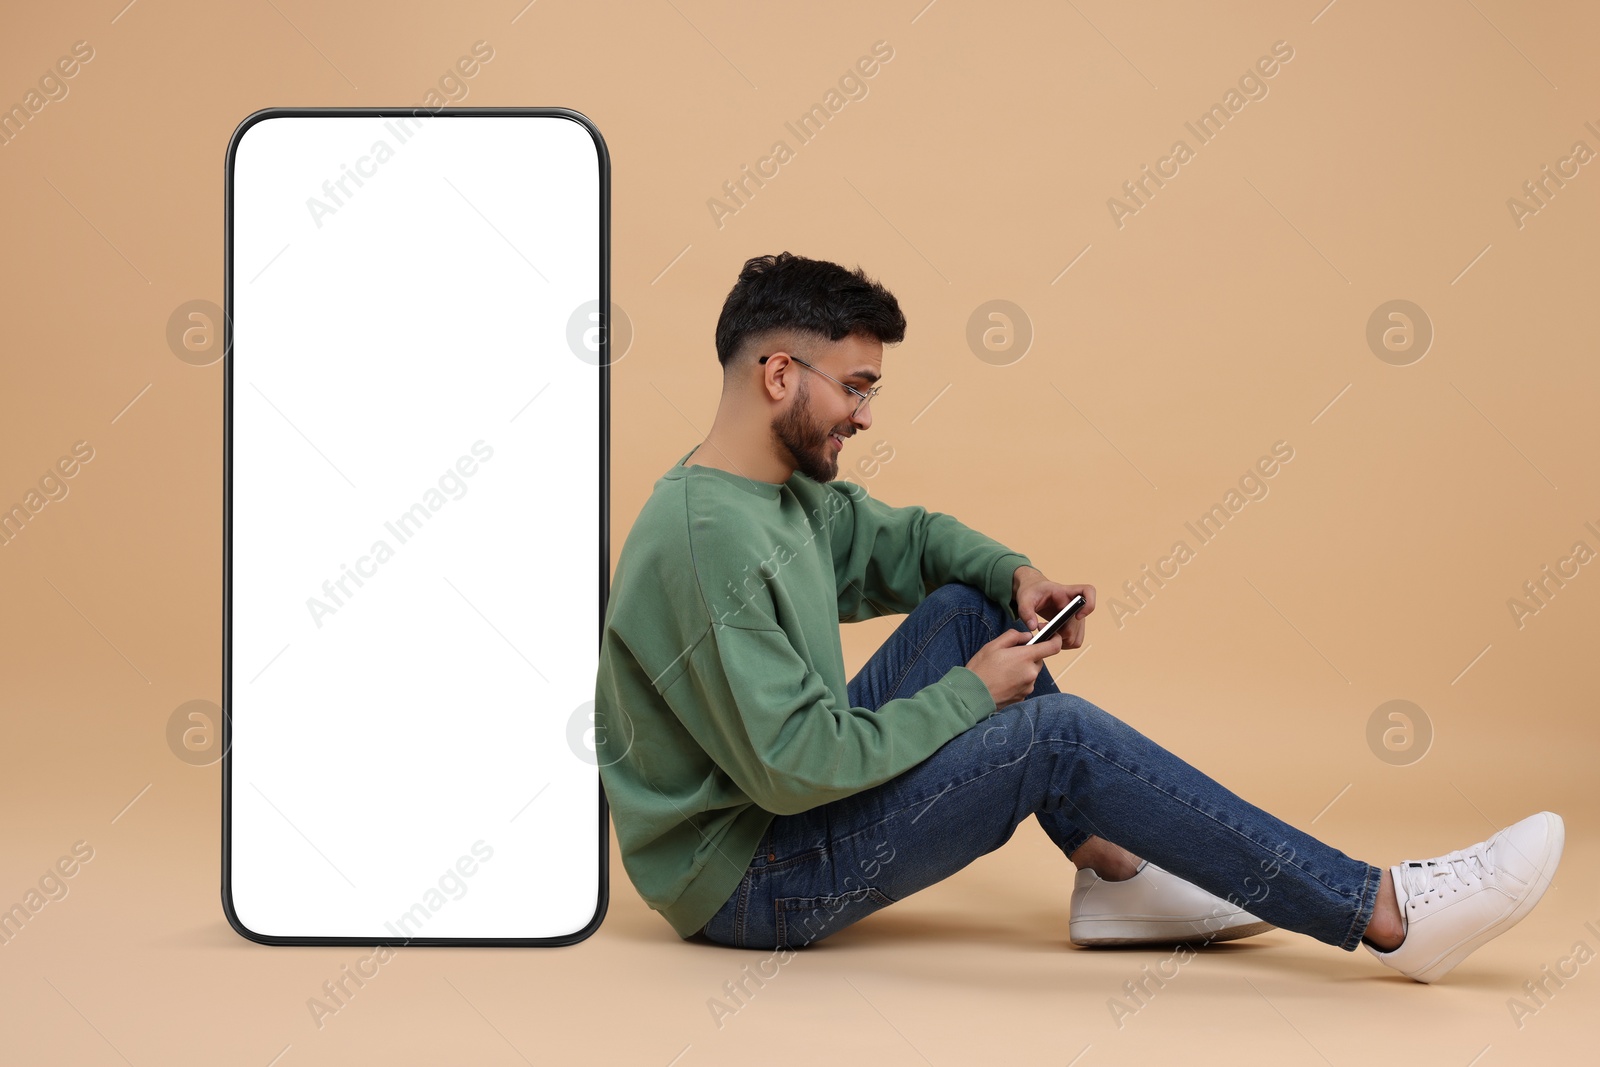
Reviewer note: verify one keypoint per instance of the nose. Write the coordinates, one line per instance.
(863, 418)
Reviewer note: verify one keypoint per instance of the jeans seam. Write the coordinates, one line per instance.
(808, 854)
(868, 892)
(911, 661)
(907, 807)
(741, 911)
(1201, 811)
(1366, 908)
(1085, 746)
(780, 918)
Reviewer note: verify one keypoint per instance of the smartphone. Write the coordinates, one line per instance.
(1055, 624)
(330, 337)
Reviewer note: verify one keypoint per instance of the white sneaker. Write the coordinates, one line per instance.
(1454, 903)
(1154, 906)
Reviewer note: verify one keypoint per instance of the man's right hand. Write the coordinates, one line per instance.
(1009, 666)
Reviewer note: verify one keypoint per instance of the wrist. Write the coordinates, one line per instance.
(1025, 573)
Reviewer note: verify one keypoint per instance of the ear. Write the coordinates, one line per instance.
(778, 375)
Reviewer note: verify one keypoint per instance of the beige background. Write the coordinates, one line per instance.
(1230, 312)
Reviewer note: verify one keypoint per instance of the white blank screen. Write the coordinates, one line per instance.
(416, 465)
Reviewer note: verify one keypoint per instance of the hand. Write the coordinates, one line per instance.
(1009, 666)
(1038, 599)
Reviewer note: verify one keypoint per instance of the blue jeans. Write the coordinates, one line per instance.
(1056, 756)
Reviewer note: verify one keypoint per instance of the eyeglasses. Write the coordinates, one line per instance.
(865, 398)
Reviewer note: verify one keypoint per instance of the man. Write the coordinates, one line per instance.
(760, 802)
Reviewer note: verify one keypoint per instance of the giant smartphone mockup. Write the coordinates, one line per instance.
(416, 422)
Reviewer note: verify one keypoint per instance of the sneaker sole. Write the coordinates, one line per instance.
(1101, 932)
(1541, 882)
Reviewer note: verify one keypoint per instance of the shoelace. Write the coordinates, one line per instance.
(1451, 872)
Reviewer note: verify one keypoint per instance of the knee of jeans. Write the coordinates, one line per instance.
(1066, 715)
(955, 595)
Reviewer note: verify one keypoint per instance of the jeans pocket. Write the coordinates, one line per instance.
(803, 920)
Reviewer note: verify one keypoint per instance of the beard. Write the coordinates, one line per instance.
(808, 445)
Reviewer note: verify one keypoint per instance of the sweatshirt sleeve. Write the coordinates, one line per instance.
(770, 722)
(887, 560)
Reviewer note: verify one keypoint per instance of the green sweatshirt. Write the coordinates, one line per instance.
(721, 695)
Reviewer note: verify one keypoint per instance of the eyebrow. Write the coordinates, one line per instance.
(867, 375)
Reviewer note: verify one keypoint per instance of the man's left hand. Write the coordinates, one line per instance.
(1038, 599)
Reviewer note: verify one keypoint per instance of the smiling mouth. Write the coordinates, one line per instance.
(837, 440)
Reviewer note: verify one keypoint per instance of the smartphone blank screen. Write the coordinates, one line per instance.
(416, 476)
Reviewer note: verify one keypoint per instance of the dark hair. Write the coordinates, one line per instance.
(808, 296)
